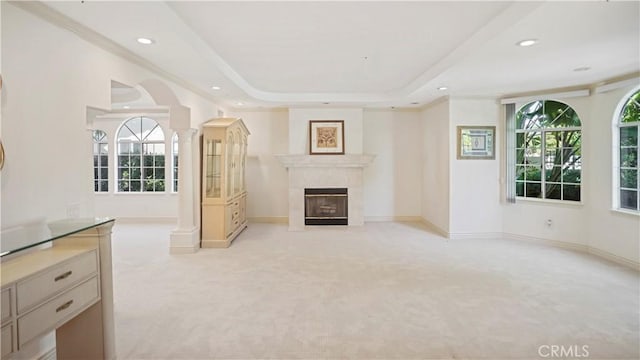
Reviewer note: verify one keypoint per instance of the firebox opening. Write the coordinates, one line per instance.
(326, 206)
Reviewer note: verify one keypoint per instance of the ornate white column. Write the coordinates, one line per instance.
(185, 238)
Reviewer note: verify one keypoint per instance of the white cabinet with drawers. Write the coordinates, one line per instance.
(58, 310)
(66, 288)
(56, 279)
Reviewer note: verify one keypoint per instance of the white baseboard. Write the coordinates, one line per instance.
(435, 228)
(147, 220)
(392, 218)
(578, 247)
(481, 235)
(285, 219)
(269, 219)
(615, 258)
(49, 355)
(554, 243)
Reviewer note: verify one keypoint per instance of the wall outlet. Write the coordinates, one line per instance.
(549, 222)
(73, 210)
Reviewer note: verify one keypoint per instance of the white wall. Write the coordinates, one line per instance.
(474, 184)
(299, 128)
(611, 231)
(393, 182)
(435, 173)
(267, 179)
(48, 83)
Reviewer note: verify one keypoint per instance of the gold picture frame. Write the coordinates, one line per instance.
(326, 137)
(476, 142)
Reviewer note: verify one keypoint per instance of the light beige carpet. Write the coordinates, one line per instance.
(385, 291)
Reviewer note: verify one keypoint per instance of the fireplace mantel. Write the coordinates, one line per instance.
(325, 161)
(325, 171)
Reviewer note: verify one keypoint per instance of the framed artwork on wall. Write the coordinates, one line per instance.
(326, 137)
(476, 142)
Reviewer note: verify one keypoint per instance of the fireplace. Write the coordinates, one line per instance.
(326, 206)
(327, 172)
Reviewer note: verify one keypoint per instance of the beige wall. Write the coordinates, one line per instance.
(436, 164)
(267, 179)
(393, 182)
(474, 184)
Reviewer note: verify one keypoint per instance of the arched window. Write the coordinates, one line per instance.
(174, 146)
(548, 151)
(628, 145)
(140, 155)
(100, 161)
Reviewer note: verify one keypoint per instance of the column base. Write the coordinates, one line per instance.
(184, 241)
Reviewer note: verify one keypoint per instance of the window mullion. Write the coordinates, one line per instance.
(543, 168)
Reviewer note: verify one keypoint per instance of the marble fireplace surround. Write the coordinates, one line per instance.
(325, 171)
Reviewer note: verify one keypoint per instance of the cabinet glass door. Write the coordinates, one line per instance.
(213, 168)
(236, 164)
(243, 164)
(230, 166)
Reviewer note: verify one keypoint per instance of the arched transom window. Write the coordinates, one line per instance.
(548, 151)
(141, 156)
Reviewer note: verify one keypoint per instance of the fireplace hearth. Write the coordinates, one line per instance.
(326, 206)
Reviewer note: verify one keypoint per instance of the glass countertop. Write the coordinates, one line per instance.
(37, 233)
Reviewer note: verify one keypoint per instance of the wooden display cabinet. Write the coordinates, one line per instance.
(224, 195)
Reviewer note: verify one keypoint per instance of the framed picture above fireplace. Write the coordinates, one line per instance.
(326, 137)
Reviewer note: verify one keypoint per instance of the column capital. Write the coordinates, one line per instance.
(185, 135)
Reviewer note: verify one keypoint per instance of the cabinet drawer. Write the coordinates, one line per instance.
(33, 290)
(55, 312)
(5, 302)
(7, 340)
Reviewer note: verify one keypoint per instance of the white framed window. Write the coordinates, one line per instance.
(141, 156)
(100, 161)
(174, 152)
(627, 174)
(548, 146)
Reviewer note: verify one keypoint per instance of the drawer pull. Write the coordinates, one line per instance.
(64, 306)
(63, 276)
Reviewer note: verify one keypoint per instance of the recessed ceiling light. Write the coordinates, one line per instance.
(126, 107)
(326, 103)
(415, 103)
(527, 42)
(216, 87)
(582, 68)
(239, 103)
(442, 88)
(146, 41)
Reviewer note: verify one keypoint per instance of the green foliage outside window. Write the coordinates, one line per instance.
(141, 158)
(100, 161)
(629, 122)
(548, 151)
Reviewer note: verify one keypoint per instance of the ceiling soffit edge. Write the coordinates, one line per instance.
(613, 82)
(506, 19)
